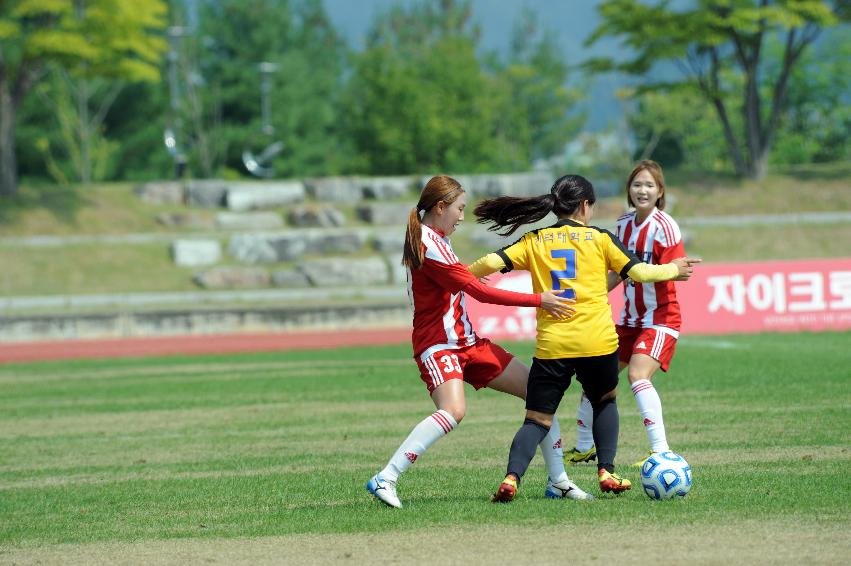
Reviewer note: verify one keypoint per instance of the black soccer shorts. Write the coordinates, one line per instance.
(549, 379)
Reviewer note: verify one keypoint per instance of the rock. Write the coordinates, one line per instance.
(161, 192)
(335, 189)
(390, 241)
(508, 184)
(316, 215)
(385, 213)
(252, 195)
(267, 248)
(249, 221)
(346, 241)
(514, 184)
(289, 278)
(337, 271)
(398, 272)
(206, 193)
(191, 219)
(384, 188)
(232, 278)
(190, 253)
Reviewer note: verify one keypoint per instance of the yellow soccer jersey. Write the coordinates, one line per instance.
(575, 259)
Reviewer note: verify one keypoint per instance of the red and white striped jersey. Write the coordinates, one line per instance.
(657, 240)
(440, 310)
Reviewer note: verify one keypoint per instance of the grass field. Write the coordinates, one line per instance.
(262, 459)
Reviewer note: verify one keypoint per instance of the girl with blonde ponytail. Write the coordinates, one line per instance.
(447, 350)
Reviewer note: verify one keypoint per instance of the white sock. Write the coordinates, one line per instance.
(650, 407)
(430, 430)
(553, 454)
(584, 425)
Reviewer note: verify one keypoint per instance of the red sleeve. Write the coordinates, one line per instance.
(494, 296)
(665, 255)
(452, 277)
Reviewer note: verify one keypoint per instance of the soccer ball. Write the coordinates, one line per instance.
(665, 475)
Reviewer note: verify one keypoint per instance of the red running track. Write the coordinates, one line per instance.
(192, 345)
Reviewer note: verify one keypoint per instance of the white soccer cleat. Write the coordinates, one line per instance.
(565, 489)
(384, 491)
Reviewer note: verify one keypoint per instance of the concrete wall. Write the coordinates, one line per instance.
(201, 321)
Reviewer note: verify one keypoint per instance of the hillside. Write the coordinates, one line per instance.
(117, 245)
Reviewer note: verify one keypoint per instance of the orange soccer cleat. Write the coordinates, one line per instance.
(610, 482)
(506, 491)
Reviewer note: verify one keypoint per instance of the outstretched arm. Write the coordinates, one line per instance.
(486, 265)
(679, 269)
(557, 306)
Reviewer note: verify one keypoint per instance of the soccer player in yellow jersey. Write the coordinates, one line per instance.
(573, 258)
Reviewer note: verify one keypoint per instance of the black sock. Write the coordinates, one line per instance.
(605, 430)
(524, 445)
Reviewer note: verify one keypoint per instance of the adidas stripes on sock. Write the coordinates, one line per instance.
(551, 450)
(427, 432)
(650, 407)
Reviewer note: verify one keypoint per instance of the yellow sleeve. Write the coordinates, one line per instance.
(618, 258)
(516, 256)
(646, 273)
(486, 265)
(505, 260)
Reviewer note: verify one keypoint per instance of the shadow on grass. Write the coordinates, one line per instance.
(816, 171)
(63, 202)
(699, 181)
(693, 180)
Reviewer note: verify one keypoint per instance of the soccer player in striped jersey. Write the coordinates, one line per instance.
(446, 348)
(572, 258)
(649, 324)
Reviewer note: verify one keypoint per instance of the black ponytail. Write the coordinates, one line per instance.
(513, 212)
(564, 198)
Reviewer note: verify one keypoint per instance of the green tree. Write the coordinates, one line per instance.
(307, 55)
(115, 39)
(677, 127)
(418, 98)
(138, 119)
(816, 123)
(710, 36)
(540, 99)
(77, 150)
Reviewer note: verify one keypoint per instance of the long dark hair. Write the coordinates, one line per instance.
(564, 198)
(439, 188)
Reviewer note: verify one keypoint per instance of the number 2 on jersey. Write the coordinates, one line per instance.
(569, 272)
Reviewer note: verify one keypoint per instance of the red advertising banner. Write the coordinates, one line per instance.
(721, 298)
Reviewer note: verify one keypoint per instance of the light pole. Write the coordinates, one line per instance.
(257, 164)
(173, 133)
(266, 70)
